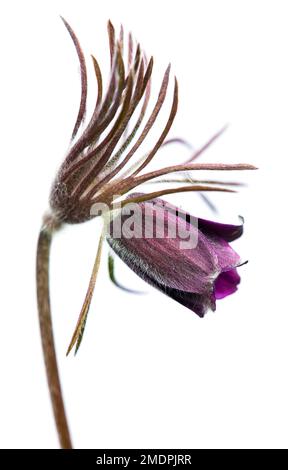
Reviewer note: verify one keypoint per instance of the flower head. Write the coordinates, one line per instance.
(188, 259)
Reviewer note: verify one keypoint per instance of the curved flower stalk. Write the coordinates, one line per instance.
(106, 158)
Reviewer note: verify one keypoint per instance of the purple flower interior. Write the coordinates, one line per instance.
(226, 284)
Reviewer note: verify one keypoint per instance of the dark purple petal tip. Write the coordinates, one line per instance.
(227, 232)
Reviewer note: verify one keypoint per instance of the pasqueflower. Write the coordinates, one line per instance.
(102, 166)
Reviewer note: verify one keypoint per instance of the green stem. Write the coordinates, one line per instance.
(46, 329)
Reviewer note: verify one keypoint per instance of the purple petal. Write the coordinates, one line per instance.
(191, 270)
(227, 232)
(226, 256)
(198, 303)
(226, 284)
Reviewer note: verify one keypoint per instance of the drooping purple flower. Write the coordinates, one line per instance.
(194, 276)
(106, 160)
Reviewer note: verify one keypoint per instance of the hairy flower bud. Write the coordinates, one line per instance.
(196, 275)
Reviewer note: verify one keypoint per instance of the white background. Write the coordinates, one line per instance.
(150, 373)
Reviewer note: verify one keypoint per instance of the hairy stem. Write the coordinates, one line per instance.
(46, 329)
